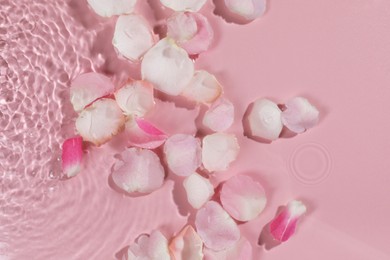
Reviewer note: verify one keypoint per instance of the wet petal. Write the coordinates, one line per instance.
(141, 133)
(183, 154)
(153, 247)
(184, 5)
(284, 225)
(218, 151)
(72, 154)
(187, 245)
(167, 67)
(107, 8)
(265, 119)
(100, 121)
(138, 170)
(220, 115)
(199, 190)
(216, 228)
(300, 115)
(243, 198)
(203, 88)
(248, 9)
(88, 87)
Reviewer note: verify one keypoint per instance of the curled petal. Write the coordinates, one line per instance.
(220, 115)
(265, 119)
(284, 225)
(243, 198)
(218, 151)
(216, 228)
(138, 170)
(141, 133)
(300, 115)
(183, 154)
(203, 88)
(199, 190)
(100, 121)
(184, 5)
(168, 67)
(88, 87)
(72, 154)
(150, 247)
(248, 9)
(187, 245)
(132, 37)
(108, 8)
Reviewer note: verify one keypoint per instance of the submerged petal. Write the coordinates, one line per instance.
(107, 8)
(72, 154)
(141, 133)
(199, 190)
(187, 245)
(220, 115)
(149, 247)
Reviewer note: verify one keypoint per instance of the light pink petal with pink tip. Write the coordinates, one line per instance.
(88, 87)
(183, 154)
(248, 9)
(149, 247)
(72, 155)
(187, 245)
(242, 250)
(220, 115)
(199, 190)
(219, 150)
(300, 115)
(243, 198)
(138, 171)
(141, 133)
(99, 122)
(203, 88)
(216, 228)
(184, 5)
(284, 225)
(108, 8)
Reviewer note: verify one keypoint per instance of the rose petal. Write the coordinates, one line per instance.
(243, 198)
(199, 190)
(220, 115)
(203, 88)
(141, 133)
(100, 121)
(138, 171)
(284, 225)
(108, 8)
(216, 228)
(72, 154)
(300, 115)
(168, 67)
(88, 87)
(153, 247)
(218, 151)
(184, 5)
(133, 36)
(187, 245)
(183, 154)
(265, 119)
(248, 9)
(242, 250)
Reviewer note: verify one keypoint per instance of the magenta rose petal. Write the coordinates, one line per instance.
(72, 155)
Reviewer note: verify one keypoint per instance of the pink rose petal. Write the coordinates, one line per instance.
(99, 122)
(203, 88)
(141, 133)
(184, 5)
(220, 115)
(242, 250)
(108, 8)
(199, 190)
(133, 36)
(284, 225)
(248, 9)
(243, 198)
(216, 228)
(265, 119)
(72, 154)
(88, 87)
(167, 67)
(138, 170)
(183, 154)
(218, 151)
(153, 247)
(300, 115)
(187, 245)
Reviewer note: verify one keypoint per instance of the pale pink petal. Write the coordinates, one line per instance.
(248, 9)
(184, 5)
(153, 247)
(265, 119)
(88, 87)
(199, 190)
(133, 36)
(167, 67)
(218, 151)
(187, 245)
(242, 250)
(220, 115)
(243, 198)
(138, 170)
(284, 225)
(72, 154)
(183, 154)
(141, 133)
(191, 31)
(300, 115)
(203, 88)
(136, 98)
(216, 228)
(99, 122)
(108, 8)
